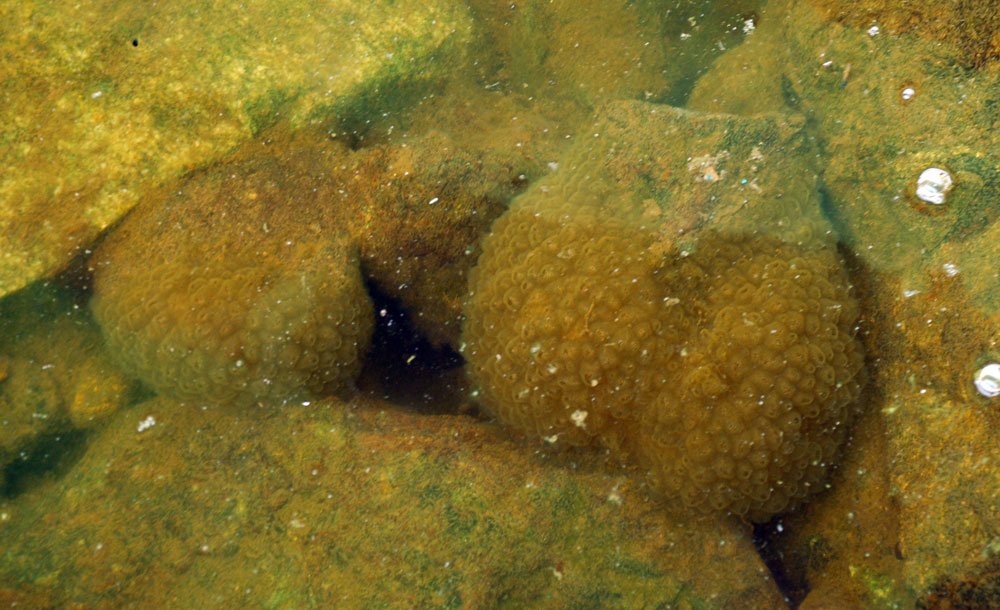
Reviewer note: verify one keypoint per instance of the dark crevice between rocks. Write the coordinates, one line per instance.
(404, 368)
(764, 534)
(834, 217)
(78, 277)
(52, 455)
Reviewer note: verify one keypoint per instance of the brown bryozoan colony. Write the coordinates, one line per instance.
(730, 372)
(236, 288)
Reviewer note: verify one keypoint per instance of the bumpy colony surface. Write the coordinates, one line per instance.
(730, 372)
(266, 306)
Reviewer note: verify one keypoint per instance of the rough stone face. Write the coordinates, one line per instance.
(107, 101)
(727, 367)
(969, 25)
(875, 143)
(355, 506)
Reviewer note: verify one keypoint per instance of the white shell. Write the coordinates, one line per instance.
(933, 184)
(987, 380)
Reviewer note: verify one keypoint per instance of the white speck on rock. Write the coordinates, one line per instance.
(146, 424)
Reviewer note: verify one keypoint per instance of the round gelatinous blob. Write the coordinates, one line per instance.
(284, 335)
(730, 373)
(789, 432)
(231, 291)
(564, 362)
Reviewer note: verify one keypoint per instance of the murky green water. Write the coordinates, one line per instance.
(473, 305)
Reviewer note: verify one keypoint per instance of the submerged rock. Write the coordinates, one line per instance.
(106, 101)
(355, 506)
(56, 380)
(968, 26)
(884, 109)
(909, 515)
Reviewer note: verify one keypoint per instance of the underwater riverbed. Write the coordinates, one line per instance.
(549, 304)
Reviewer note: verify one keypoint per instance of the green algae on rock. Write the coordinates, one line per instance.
(918, 495)
(55, 380)
(356, 506)
(876, 144)
(970, 27)
(538, 48)
(91, 122)
(673, 294)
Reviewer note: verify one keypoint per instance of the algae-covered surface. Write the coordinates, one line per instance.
(382, 141)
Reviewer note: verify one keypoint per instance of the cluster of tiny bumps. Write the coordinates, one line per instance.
(267, 307)
(236, 336)
(730, 373)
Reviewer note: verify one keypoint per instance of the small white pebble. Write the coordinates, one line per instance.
(933, 184)
(987, 380)
(614, 497)
(146, 424)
